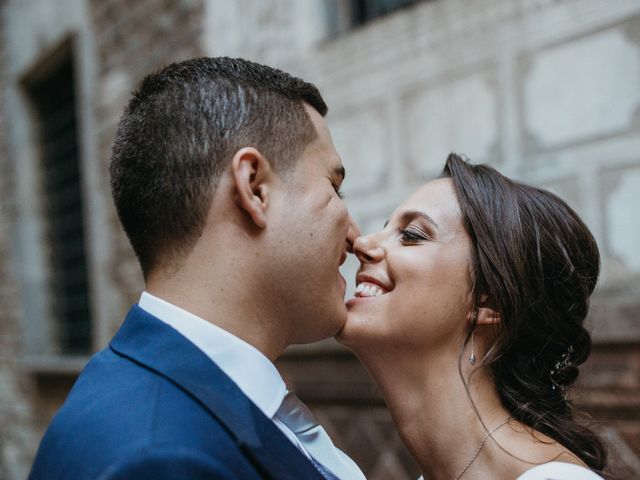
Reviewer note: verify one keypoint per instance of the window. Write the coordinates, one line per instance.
(363, 11)
(346, 14)
(53, 99)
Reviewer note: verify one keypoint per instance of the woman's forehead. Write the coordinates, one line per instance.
(436, 198)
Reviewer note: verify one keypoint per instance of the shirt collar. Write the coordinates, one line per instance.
(249, 369)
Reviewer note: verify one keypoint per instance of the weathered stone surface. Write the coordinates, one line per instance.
(459, 115)
(568, 189)
(361, 140)
(583, 88)
(18, 434)
(622, 223)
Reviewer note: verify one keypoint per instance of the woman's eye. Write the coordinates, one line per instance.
(338, 191)
(411, 235)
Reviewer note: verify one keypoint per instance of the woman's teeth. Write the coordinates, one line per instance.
(366, 289)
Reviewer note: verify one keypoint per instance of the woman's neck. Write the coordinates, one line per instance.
(432, 410)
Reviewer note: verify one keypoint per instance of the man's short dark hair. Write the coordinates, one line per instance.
(178, 134)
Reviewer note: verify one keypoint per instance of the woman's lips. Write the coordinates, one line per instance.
(369, 287)
(373, 281)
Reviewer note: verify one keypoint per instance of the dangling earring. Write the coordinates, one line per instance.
(472, 357)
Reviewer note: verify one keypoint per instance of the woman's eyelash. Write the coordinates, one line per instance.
(412, 235)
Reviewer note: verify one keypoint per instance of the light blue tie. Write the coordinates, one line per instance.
(326, 474)
(299, 419)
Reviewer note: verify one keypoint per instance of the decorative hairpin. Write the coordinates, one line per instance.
(564, 361)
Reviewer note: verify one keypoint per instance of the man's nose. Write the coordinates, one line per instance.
(352, 234)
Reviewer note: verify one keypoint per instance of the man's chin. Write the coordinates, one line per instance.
(338, 334)
(340, 320)
(342, 336)
(329, 330)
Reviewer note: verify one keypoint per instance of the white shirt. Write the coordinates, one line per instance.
(244, 364)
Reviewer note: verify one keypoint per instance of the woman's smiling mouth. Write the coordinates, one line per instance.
(369, 286)
(366, 289)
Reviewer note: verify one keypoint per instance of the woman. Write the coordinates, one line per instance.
(469, 313)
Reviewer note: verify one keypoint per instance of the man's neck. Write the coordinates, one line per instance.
(224, 303)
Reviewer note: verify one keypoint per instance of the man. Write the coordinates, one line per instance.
(227, 184)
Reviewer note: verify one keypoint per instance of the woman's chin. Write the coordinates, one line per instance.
(349, 332)
(359, 329)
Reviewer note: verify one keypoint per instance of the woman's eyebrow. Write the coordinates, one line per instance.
(409, 215)
(413, 214)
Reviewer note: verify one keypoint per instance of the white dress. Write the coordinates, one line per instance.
(559, 471)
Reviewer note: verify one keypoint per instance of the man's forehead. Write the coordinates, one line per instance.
(318, 121)
(324, 143)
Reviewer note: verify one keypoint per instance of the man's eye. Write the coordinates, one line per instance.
(338, 191)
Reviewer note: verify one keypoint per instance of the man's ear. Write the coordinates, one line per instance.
(251, 175)
(486, 314)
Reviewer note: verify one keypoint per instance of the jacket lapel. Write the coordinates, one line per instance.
(148, 341)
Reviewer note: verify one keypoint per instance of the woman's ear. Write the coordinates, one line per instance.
(488, 316)
(251, 176)
(486, 313)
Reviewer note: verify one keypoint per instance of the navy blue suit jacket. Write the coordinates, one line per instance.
(152, 405)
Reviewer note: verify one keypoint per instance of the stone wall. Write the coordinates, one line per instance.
(18, 437)
(132, 38)
(114, 44)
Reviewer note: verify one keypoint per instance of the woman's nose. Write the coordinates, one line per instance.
(368, 249)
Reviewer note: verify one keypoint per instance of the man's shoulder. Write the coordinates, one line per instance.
(159, 461)
(116, 393)
(175, 462)
(118, 407)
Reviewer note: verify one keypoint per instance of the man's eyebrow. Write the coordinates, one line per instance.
(340, 171)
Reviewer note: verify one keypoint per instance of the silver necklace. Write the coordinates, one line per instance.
(475, 455)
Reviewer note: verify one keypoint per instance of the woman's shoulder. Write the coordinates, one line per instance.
(559, 471)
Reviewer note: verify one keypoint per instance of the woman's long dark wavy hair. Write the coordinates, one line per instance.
(538, 264)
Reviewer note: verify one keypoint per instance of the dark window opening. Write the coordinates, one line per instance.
(54, 103)
(363, 11)
(344, 15)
